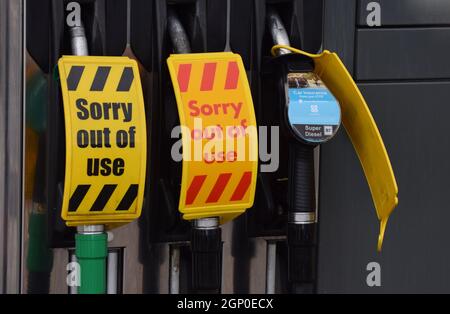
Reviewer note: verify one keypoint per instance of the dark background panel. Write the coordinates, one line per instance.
(415, 53)
(339, 29)
(408, 12)
(413, 120)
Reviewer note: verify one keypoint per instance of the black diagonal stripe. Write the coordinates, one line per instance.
(78, 196)
(74, 77)
(129, 197)
(103, 197)
(126, 80)
(100, 79)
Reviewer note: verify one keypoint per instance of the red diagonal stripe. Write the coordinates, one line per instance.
(232, 75)
(209, 72)
(242, 187)
(194, 188)
(218, 188)
(184, 73)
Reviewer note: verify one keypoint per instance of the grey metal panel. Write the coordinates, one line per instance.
(408, 12)
(339, 29)
(416, 53)
(413, 120)
(11, 74)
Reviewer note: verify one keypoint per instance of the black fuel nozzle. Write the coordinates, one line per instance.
(310, 115)
(206, 246)
(206, 238)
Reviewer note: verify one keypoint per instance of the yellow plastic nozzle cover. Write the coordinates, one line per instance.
(362, 131)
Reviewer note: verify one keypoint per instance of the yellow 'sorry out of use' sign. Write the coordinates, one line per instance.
(106, 140)
(219, 136)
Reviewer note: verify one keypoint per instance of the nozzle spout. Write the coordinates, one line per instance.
(177, 33)
(277, 30)
(78, 41)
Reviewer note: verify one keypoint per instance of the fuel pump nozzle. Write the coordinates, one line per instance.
(91, 240)
(305, 132)
(206, 239)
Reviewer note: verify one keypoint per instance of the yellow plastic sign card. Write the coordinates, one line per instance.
(362, 131)
(219, 136)
(106, 140)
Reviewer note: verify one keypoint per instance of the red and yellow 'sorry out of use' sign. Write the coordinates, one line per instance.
(219, 134)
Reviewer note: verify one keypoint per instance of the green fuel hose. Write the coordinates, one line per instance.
(91, 251)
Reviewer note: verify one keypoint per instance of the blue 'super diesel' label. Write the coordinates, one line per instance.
(313, 112)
